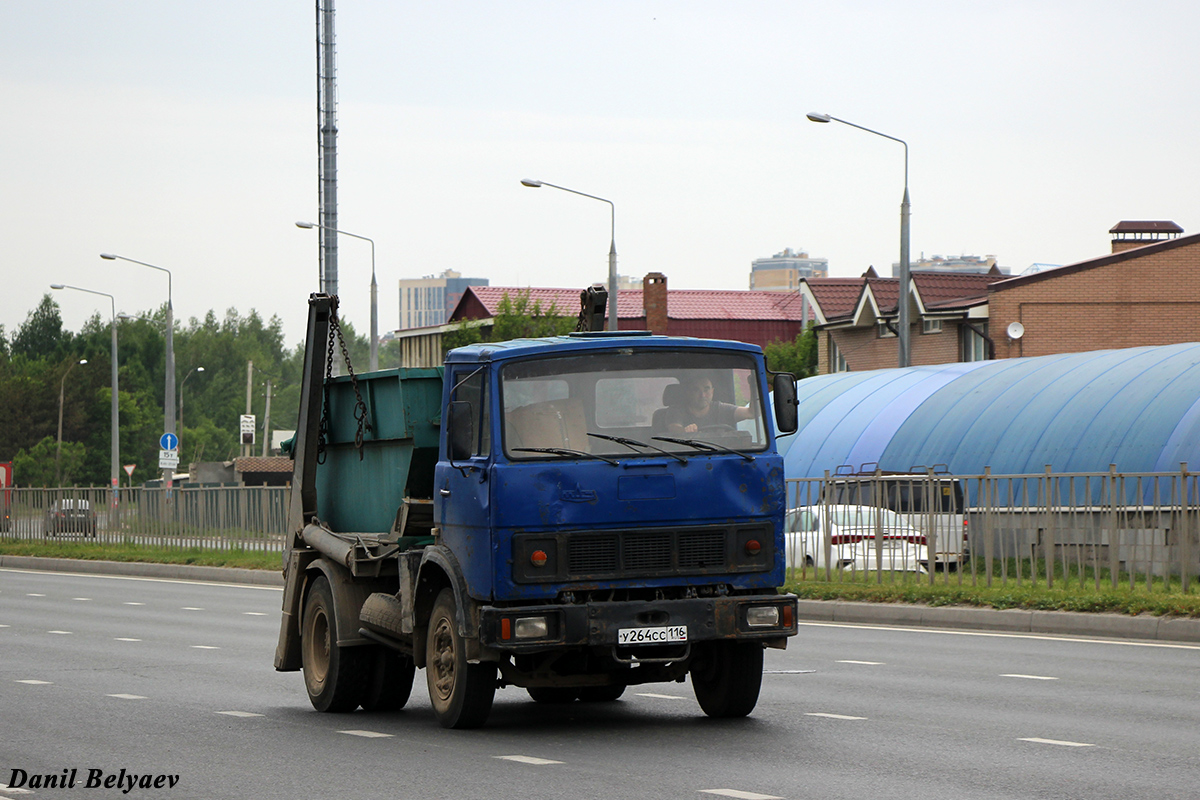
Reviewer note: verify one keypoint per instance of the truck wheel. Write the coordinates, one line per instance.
(391, 681)
(727, 677)
(333, 676)
(552, 694)
(601, 694)
(461, 693)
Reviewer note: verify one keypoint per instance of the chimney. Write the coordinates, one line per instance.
(654, 301)
(1128, 234)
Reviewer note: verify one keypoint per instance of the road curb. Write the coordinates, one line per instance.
(1143, 626)
(255, 577)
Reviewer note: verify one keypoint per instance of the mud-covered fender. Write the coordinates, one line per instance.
(349, 594)
(440, 569)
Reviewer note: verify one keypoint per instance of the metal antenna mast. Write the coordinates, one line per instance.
(327, 137)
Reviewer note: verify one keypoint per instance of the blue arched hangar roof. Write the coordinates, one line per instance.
(1137, 408)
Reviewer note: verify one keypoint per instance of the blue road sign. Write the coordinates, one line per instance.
(169, 441)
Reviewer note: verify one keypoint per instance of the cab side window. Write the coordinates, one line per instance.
(472, 390)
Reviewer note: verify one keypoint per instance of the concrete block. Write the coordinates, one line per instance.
(1106, 625)
(1179, 629)
(977, 618)
(819, 610)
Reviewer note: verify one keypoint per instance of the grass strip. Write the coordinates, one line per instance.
(90, 551)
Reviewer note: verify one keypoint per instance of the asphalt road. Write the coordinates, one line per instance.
(171, 678)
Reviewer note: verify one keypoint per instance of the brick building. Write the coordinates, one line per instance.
(756, 317)
(1144, 292)
(947, 313)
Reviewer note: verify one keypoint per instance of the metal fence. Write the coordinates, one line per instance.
(207, 517)
(1092, 530)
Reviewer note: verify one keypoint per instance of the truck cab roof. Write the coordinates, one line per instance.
(583, 342)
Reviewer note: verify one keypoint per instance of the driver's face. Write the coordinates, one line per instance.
(702, 393)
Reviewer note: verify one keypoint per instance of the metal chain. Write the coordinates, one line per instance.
(360, 408)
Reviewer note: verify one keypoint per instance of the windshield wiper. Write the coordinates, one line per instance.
(563, 451)
(709, 447)
(632, 444)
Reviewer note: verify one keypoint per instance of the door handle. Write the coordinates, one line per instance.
(444, 492)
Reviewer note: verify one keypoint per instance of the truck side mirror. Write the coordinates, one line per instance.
(787, 414)
(460, 436)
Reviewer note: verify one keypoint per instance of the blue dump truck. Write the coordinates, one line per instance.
(571, 515)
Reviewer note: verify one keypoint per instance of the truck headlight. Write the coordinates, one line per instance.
(762, 616)
(531, 628)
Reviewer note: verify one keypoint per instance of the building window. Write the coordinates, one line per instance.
(974, 346)
(882, 331)
(836, 359)
(931, 326)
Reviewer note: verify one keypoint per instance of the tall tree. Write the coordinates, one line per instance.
(41, 335)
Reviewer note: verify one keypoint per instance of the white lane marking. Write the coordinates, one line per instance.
(3, 626)
(1058, 742)
(127, 696)
(125, 639)
(661, 696)
(831, 716)
(13, 790)
(135, 604)
(992, 635)
(191, 608)
(138, 578)
(788, 671)
(255, 613)
(32, 594)
(85, 599)
(738, 793)
(33, 682)
(239, 713)
(1029, 677)
(62, 633)
(205, 647)
(368, 734)
(539, 762)
(865, 663)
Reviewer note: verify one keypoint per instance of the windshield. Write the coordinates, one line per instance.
(614, 404)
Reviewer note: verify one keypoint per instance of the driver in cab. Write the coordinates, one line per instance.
(699, 411)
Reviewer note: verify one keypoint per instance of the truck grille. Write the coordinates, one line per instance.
(591, 555)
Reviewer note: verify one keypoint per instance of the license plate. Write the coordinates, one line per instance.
(663, 635)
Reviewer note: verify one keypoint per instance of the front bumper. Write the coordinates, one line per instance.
(597, 624)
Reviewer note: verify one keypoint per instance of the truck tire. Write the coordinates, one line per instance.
(461, 693)
(553, 695)
(727, 677)
(391, 681)
(334, 676)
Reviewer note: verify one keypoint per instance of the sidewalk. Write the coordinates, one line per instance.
(1108, 626)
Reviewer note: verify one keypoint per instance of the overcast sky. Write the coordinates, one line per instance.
(184, 134)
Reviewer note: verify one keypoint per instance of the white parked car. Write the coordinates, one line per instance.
(854, 538)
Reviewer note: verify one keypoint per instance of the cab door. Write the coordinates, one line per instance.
(462, 483)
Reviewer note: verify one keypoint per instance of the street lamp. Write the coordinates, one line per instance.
(905, 275)
(612, 249)
(181, 385)
(374, 288)
(169, 393)
(62, 385)
(116, 423)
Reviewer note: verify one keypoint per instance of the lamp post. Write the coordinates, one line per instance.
(612, 248)
(169, 391)
(905, 276)
(116, 423)
(374, 288)
(62, 385)
(182, 383)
